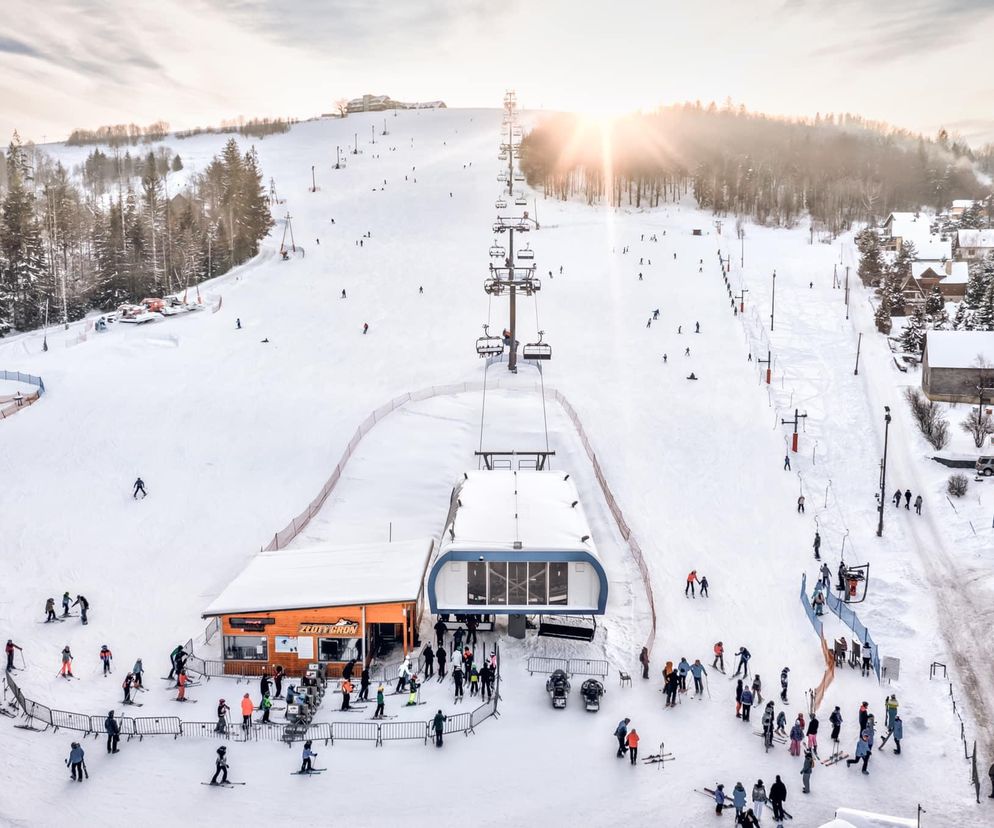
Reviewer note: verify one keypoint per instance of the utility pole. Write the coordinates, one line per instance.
(859, 343)
(742, 252)
(741, 298)
(314, 184)
(847, 291)
(773, 299)
(768, 366)
(512, 359)
(797, 419)
(883, 471)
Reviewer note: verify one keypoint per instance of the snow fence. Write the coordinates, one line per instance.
(12, 404)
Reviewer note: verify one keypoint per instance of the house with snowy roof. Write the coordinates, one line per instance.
(960, 206)
(915, 228)
(955, 364)
(975, 244)
(951, 278)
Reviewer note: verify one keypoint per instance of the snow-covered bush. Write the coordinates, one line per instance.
(928, 415)
(957, 485)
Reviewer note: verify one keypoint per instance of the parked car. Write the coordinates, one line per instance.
(985, 466)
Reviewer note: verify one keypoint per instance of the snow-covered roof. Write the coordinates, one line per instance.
(959, 273)
(962, 203)
(837, 823)
(330, 576)
(930, 247)
(958, 349)
(919, 268)
(498, 508)
(951, 273)
(910, 226)
(976, 238)
(854, 818)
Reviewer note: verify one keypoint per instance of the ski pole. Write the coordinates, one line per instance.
(707, 686)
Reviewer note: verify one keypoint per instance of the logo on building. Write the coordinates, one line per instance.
(342, 628)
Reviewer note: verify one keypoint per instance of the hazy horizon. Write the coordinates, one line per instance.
(198, 62)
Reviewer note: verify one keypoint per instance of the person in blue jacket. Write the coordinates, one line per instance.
(697, 670)
(746, 703)
(898, 733)
(306, 756)
(738, 798)
(862, 752)
(719, 799)
(682, 669)
(75, 762)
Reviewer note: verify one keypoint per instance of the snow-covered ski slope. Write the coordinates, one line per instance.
(234, 436)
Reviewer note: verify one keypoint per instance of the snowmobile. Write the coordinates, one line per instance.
(592, 690)
(557, 686)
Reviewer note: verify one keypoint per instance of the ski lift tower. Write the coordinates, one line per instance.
(510, 110)
(509, 279)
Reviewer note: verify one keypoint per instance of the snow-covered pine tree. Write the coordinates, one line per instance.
(984, 319)
(913, 335)
(963, 320)
(871, 263)
(934, 302)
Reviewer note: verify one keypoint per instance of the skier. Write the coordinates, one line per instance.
(174, 656)
(84, 605)
(836, 721)
(671, 687)
(898, 731)
(691, 581)
(697, 670)
(704, 586)
(181, 681)
(757, 687)
(918, 505)
(632, 741)
(826, 575)
(682, 669)
(698, 327)
(106, 656)
(50, 610)
(238, 324)
(126, 685)
(140, 487)
(783, 684)
(439, 725)
(306, 755)
(457, 636)
(365, 327)
(655, 314)
(471, 626)
(440, 657)
(664, 359)
(621, 734)
(440, 629)
(817, 545)
(487, 680)
(264, 682)
(113, 732)
(800, 504)
(403, 672)
(76, 762)
(266, 705)
(813, 734)
(66, 662)
(867, 653)
(474, 680)
(890, 706)
(421, 289)
(719, 799)
(643, 660)
(687, 352)
(864, 715)
(806, 770)
(9, 649)
(221, 765)
(222, 716)
(137, 672)
(796, 735)
(378, 713)
(719, 657)
(247, 710)
(759, 799)
(778, 794)
(278, 680)
(343, 294)
(862, 753)
(363, 685)
(842, 576)
(782, 723)
(746, 703)
(907, 499)
(457, 677)
(743, 665)
(786, 462)
(66, 600)
(738, 699)
(738, 792)
(347, 694)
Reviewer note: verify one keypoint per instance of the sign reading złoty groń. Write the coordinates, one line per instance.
(340, 629)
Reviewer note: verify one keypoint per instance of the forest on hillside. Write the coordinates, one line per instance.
(111, 234)
(842, 169)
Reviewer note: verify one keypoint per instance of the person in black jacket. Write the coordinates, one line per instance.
(440, 655)
(428, 654)
(278, 681)
(221, 766)
(440, 630)
(836, 720)
(778, 795)
(113, 732)
(363, 685)
(264, 684)
(644, 661)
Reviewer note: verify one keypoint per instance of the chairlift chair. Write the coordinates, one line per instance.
(526, 253)
(519, 177)
(537, 350)
(488, 345)
(500, 204)
(520, 200)
(497, 252)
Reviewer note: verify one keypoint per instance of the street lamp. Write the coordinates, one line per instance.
(883, 472)
(773, 299)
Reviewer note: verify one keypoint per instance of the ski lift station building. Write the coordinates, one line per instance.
(517, 543)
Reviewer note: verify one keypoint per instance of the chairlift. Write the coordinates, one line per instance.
(500, 204)
(519, 176)
(488, 345)
(537, 350)
(498, 252)
(526, 253)
(520, 200)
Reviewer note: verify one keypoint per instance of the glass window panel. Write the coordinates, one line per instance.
(476, 583)
(538, 574)
(517, 583)
(559, 583)
(338, 649)
(497, 591)
(246, 648)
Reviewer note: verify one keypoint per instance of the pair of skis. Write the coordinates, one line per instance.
(308, 773)
(833, 759)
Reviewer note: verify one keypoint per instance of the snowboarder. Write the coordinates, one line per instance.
(440, 629)
(759, 799)
(76, 762)
(783, 684)
(221, 765)
(918, 505)
(621, 734)
(697, 671)
(691, 581)
(113, 732)
(378, 713)
(907, 499)
(898, 732)
(438, 723)
(84, 605)
(139, 487)
(743, 665)
(643, 660)
(222, 716)
(719, 799)
(632, 741)
(813, 734)
(738, 792)
(746, 703)
(247, 710)
(704, 586)
(66, 662)
(836, 721)
(363, 685)
(862, 753)
(440, 657)
(105, 657)
(817, 546)
(800, 504)
(778, 795)
(50, 610)
(719, 656)
(9, 649)
(306, 755)
(806, 770)
(786, 462)
(796, 735)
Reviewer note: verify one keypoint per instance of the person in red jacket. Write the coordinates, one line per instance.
(691, 581)
(632, 740)
(181, 680)
(9, 649)
(247, 709)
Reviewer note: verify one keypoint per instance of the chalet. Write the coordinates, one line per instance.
(960, 206)
(381, 103)
(950, 276)
(915, 228)
(956, 363)
(975, 244)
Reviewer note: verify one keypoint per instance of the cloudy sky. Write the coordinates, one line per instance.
(82, 63)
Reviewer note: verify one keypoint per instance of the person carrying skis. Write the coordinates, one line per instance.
(438, 724)
(719, 799)
(836, 721)
(891, 710)
(50, 610)
(9, 649)
(440, 657)
(75, 762)
(113, 732)
(796, 735)
(817, 546)
(457, 677)
(222, 716)
(691, 581)
(621, 734)
(813, 734)
(744, 655)
(346, 694)
(697, 671)
(105, 657)
(746, 703)
(136, 673)
(66, 662)
(247, 710)
(719, 656)
(139, 487)
(221, 765)
(66, 601)
(428, 654)
(759, 799)
(778, 795)
(862, 753)
(380, 703)
(739, 799)
(806, 770)
(363, 685)
(126, 685)
(181, 682)
(644, 661)
(632, 742)
(783, 684)
(306, 755)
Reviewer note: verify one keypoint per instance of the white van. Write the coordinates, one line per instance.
(985, 466)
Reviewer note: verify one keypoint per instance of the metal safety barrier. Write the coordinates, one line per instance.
(158, 726)
(70, 721)
(354, 731)
(391, 731)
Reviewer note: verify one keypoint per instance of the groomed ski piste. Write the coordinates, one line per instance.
(233, 436)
